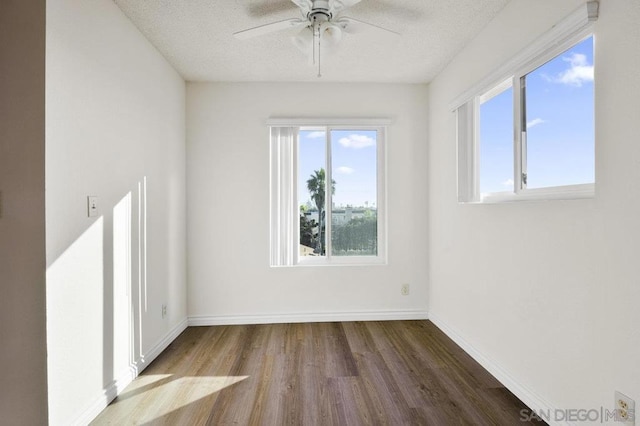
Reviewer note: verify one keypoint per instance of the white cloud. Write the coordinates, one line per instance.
(535, 122)
(344, 170)
(315, 135)
(357, 141)
(578, 73)
(508, 182)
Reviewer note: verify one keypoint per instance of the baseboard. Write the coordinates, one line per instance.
(206, 320)
(157, 349)
(124, 378)
(526, 395)
(108, 395)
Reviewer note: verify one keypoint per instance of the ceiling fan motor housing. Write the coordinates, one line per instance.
(320, 11)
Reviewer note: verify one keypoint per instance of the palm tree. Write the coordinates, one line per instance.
(316, 187)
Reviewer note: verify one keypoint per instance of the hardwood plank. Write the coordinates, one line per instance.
(230, 406)
(354, 373)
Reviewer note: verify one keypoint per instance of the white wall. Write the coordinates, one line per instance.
(546, 291)
(23, 355)
(228, 182)
(115, 128)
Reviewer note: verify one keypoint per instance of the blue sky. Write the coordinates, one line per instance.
(560, 126)
(354, 162)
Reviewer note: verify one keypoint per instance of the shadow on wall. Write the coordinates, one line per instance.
(96, 300)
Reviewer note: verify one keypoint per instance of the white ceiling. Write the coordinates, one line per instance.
(196, 37)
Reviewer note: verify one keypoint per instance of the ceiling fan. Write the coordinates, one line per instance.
(322, 27)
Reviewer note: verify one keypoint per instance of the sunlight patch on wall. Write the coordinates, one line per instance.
(75, 288)
(123, 356)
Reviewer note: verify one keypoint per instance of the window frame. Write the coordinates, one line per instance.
(294, 258)
(571, 31)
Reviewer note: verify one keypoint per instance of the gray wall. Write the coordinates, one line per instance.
(23, 354)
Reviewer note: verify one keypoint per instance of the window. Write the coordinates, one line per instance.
(557, 109)
(496, 139)
(531, 135)
(327, 194)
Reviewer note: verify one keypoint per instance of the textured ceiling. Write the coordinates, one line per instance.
(196, 37)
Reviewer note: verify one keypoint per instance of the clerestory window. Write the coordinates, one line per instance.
(528, 132)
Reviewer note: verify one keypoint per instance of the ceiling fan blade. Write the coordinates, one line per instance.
(270, 28)
(266, 8)
(304, 5)
(303, 40)
(336, 6)
(392, 8)
(352, 25)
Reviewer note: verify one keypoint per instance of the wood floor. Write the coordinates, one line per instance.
(353, 373)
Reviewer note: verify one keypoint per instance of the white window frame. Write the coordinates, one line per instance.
(572, 30)
(285, 217)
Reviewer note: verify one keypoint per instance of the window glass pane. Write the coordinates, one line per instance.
(496, 142)
(311, 191)
(560, 119)
(354, 223)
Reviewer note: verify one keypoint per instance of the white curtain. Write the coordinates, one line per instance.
(284, 212)
(467, 155)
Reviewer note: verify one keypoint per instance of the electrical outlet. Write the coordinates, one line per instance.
(404, 289)
(164, 311)
(625, 409)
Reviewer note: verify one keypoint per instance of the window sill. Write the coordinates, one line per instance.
(344, 261)
(570, 192)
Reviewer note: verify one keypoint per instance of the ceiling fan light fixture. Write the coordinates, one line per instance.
(331, 35)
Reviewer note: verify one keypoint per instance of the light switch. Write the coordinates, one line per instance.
(92, 205)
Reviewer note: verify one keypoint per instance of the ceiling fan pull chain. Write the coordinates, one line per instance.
(314, 28)
(319, 49)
